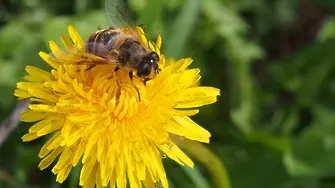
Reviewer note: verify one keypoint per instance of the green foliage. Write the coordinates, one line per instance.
(276, 134)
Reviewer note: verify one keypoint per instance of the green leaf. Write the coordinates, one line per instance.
(198, 180)
(277, 143)
(310, 155)
(316, 76)
(297, 167)
(181, 29)
(177, 175)
(326, 120)
(328, 30)
(241, 119)
(306, 73)
(254, 166)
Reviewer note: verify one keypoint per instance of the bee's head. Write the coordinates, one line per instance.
(148, 65)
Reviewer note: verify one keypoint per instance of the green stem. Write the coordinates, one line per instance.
(208, 159)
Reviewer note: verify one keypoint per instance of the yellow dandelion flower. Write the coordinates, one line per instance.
(95, 117)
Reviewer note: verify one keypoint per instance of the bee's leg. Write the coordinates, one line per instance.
(145, 81)
(138, 92)
(131, 76)
(118, 92)
(90, 67)
(115, 70)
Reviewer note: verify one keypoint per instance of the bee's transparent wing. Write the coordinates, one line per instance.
(92, 53)
(118, 14)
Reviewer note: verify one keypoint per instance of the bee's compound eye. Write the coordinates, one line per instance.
(143, 70)
(154, 56)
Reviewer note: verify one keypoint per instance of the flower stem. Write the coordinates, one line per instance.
(207, 158)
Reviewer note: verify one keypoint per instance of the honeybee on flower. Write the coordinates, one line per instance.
(119, 45)
(90, 104)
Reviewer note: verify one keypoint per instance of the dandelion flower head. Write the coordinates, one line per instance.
(95, 117)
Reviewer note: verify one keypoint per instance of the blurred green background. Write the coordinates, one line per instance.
(274, 61)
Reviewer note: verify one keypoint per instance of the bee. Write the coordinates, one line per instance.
(120, 45)
(126, 51)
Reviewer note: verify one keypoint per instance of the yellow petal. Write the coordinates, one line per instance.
(42, 108)
(151, 46)
(66, 42)
(180, 65)
(50, 158)
(197, 96)
(187, 78)
(88, 167)
(159, 42)
(192, 128)
(132, 178)
(182, 112)
(64, 160)
(31, 116)
(37, 74)
(141, 170)
(169, 153)
(181, 155)
(75, 37)
(142, 36)
(91, 177)
(121, 179)
(43, 95)
(29, 137)
(53, 126)
(149, 183)
(41, 124)
(44, 150)
(54, 48)
(80, 151)
(156, 164)
(22, 94)
(112, 182)
(63, 174)
(48, 60)
(98, 177)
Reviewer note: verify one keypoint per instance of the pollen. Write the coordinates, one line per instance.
(95, 116)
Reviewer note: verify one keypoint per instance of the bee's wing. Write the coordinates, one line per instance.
(84, 56)
(119, 17)
(118, 14)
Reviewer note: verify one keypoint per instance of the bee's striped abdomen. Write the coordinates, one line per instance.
(102, 41)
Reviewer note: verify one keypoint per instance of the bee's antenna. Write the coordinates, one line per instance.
(99, 27)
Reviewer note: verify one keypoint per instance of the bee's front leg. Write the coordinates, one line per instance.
(115, 70)
(138, 91)
(145, 81)
(90, 67)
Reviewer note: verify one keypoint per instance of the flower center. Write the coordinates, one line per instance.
(101, 90)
